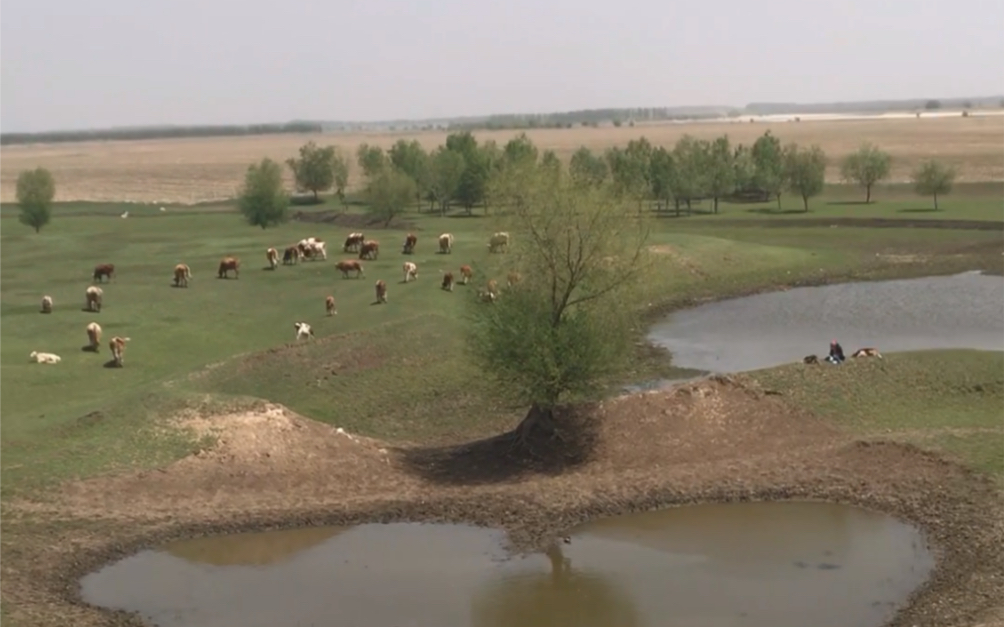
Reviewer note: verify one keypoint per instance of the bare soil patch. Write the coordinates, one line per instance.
(722, 439)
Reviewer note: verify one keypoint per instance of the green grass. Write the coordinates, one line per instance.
(951, 400)
(78, 418)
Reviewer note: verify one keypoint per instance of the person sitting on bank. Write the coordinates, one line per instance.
(836, 353)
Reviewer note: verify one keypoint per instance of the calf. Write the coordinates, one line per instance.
(491, 293)
(181, 275)
(47, 304)
(867, 352)
(329, 305)
(104, 270)
(94, 337)
(410, 271)
(381, 291)
(512, 279)
(409, 244)
(291, 256)
(349, 265)
(448, 282)
(811, 359)
(117, 346)
(446, 243)
(226, 265)
(94, 295)
(353, 242)
(303, 330)
(273, 258)
(499, 241)
(466, 274)
(44, 358)
(369, 249)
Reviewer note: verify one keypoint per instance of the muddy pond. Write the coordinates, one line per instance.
(743, 564)
(960, 311)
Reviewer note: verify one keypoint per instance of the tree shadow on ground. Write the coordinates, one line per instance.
(546, 447)
(848, 203)
(918, 210)
(773, 211)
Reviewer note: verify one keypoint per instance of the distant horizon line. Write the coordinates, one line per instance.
(722, 110)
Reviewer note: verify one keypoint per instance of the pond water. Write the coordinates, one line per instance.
(961, 311)
(744, 564)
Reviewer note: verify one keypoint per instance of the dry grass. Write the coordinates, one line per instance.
(199, 169)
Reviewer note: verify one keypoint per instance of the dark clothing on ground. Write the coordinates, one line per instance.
(837, 352)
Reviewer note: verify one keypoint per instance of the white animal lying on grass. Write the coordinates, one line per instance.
(44, 358)
(303, 330)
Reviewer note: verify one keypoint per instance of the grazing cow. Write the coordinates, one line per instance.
(349, 265)
(446, 243)
(311, 248)
(811, 359)
(448, 281)
(273, 258)
(44, 358)
(303, 330)
(499, 241)
(94, 336)
(466, 274)
(370, 249)
(512, 279)
(291, 256)
(47, 304)
(491, 293)
(409, 244)
(181, 275)
(226, 265)
(117, 345)
(104, 270)
(353, 242)
(93, 297)
(410, 271)
(381, 291)
(329, 305)
(867, 352)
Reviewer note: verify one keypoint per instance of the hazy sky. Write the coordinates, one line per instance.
(97, 63)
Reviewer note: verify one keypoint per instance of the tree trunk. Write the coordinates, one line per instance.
(716, 204)
(805, 202)
(868, 194)
(315, 194)
(935, 201)
(538, 420)
(779, 202)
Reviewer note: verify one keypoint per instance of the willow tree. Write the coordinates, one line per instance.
(566, 326)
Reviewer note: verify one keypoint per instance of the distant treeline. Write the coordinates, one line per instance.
(874, 106)
(592, 117)
(158, 132)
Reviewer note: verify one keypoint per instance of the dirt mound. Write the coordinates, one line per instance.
(352, 221)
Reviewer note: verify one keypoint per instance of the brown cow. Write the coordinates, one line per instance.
(466, 274)
(867, 352)
(94, 337)
(491, 293)
(329, 305)
(273, 258)
(512, 279)
(291, 255)
(104, 270)
(118, 349)
(369, 250)
(181, 275)
(353, 242)
(226, 265)
(381, 291)
(448, 281)
(348, 265)
(93, 296)
(409, 244)
(47, 304)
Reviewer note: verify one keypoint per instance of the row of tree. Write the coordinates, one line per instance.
(158, 132)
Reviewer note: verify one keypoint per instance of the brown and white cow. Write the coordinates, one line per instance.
(329, 305)
(272, 255)
(867, 352)
(499, 241)
(117, 345)
(409, 244)
(410, 271)
(491, 292)
(47, 304)
(446, 243)
(181, 275)
(350, 265)
(226, 265)
(93, 297)
(104, 270)
(311, 248)
(448, 282)
(370, 249)
(466, 274)
(353, 242)
(291, 256)
(381, 291)
(94, 337)
(513, 278)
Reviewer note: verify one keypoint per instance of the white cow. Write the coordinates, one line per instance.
(498, 240)
(44, 358)
(303, 330)
(410, 271)
(446, 243)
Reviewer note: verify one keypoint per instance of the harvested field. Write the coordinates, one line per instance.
(201, 169)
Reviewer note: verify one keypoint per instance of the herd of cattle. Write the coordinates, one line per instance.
(308, 248)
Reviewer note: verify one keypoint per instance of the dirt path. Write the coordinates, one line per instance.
(715, 440)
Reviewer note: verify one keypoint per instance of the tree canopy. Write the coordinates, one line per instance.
(262, 200)
(933, 178)
(389, 194)
(35, 191)
(805, 171)
(315, 169)
(866, 167)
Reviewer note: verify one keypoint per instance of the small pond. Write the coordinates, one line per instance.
(961, 311)
(744, 564)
